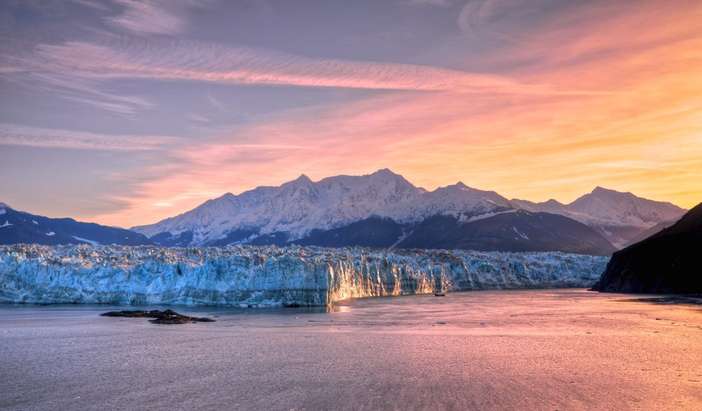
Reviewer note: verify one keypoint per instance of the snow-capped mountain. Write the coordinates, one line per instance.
(619, 217)
(456, 200)
(383, 209)
(21, 227)
(300, 206)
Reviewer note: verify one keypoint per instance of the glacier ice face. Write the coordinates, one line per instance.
(270, 276)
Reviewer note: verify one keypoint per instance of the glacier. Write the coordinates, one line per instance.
(265, 276)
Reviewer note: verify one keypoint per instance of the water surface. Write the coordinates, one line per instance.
(556, 349)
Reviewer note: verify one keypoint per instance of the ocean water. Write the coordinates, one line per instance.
(532, 349)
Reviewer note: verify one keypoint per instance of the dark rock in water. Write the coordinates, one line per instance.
(666, 263)
(159, 317)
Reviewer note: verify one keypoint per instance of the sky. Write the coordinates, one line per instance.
(125, 112)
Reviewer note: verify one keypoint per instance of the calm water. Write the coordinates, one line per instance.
(564, 349)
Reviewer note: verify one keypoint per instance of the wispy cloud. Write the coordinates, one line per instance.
(216, 103)
(30, 72)
(476, 13)
(437, 3)
(152, 16)
(76, 70)
(86, 90)
(16, 135)
(198, 118)
(93, 4)
(191, 61)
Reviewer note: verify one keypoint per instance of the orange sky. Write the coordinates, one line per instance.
(623, 110)
(596, 95)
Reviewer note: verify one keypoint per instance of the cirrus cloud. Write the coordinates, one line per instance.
(16, 135)
(193, 61)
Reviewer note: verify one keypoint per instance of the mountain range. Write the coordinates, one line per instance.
(383, 209)
(622, 218)
(21, 227)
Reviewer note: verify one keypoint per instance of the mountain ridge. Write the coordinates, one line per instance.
(298, 207)
(665, 263)
(620, 216)
(22, 227)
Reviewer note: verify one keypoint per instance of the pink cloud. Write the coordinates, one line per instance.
(642, 136)
(181, 60)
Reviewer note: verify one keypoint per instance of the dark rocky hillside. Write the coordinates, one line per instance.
(667, 262)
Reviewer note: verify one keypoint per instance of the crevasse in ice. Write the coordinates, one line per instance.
(270, 276)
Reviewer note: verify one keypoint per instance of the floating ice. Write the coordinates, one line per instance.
(270, 276)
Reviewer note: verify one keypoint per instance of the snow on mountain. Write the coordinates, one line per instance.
(609, 207)
(290, 212)
(299, 206)
(550, 206)
(617, 215)
(269, 276)
(456, 200)
(23, 227)
(604, 206)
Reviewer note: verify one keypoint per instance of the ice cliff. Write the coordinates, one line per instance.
(269, 276)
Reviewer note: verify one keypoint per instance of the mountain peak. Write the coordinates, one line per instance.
(303, 180)
(387, 176)
(297, 207)
(385, 172)
(461, 186)
(599, 190)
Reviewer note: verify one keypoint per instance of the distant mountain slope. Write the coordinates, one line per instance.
(667, 262)
(516, 231)
(372, 232)
(21, 227)
(512, 230)
(649, 232)
(619, 217)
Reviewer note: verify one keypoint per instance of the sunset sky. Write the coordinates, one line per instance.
(124, 112)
